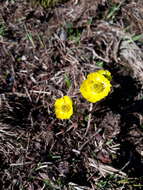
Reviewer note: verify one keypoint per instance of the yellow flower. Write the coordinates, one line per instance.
(63, 107)
(105, 73)
(95, 87)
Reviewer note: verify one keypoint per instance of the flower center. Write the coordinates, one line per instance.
(98, 87)
(65, 108)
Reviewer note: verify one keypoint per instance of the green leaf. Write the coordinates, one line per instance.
(67, 81)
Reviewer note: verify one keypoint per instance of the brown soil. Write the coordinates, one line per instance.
(46, 53)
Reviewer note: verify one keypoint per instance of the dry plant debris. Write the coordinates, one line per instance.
(46, 53)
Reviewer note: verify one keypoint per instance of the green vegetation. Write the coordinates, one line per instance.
(135, 38)
(113, 11)
(100, 64)
(73, 33)
(48, 3)
(2, 29)
(67, 81)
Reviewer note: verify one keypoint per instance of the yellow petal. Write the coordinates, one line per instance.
(63, 107)
(106, 74)
(95, 87)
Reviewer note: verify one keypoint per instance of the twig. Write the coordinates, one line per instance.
(89, 119)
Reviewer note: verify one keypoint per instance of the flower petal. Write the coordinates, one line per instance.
(63, 107)
(95, 87)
